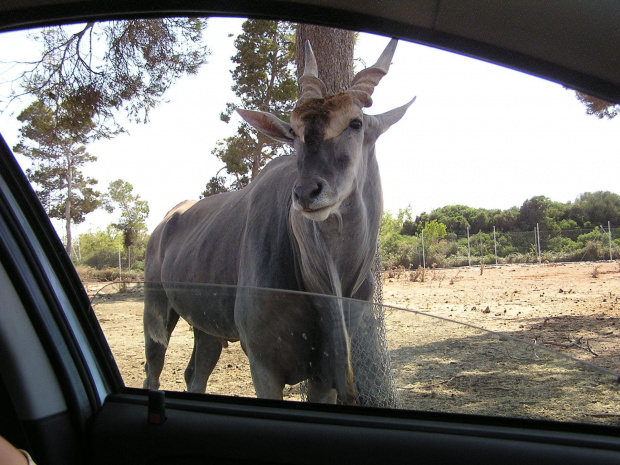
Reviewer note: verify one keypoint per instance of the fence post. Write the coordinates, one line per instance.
(611, 257)
(468, 247)
(538, 242)
(495, 242)
(417, 247)
(423, 254)
(119, 263)
(481, 253)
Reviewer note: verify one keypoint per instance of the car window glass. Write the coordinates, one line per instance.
(501, 213)
(435, 364)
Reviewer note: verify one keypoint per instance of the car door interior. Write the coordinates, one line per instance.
(61, 395)
(65, 416)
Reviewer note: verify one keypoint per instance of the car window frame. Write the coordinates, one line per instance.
(43, 270)
(33, 227)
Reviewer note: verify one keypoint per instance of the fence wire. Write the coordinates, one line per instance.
(537, 245)
(370, 355)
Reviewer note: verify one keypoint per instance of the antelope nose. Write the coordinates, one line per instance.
(307, 193)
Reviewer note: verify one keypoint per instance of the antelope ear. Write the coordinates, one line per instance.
(393, 116)
(269, 125)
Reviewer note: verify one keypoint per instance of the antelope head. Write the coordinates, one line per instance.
(332, 136)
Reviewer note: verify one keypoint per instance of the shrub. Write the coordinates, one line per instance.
(398, 250)
(562, 244)
(104, 274)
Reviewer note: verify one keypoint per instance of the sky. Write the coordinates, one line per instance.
(478, 134)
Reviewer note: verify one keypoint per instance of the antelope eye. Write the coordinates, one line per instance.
(356, 124)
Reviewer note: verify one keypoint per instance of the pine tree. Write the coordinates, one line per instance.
(118, 67)
(87, 76)
(598, 107)
(54, 141)
(264, 79)
(133, 210)
(133, 213)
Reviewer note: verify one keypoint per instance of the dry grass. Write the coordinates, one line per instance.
(418, 275)
(454, 278)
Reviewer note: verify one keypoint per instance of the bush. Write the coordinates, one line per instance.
(100, 250)
(108, 274)
(457, 260)
(84, 272)
(521, 258)
(100, 259)
(449, 250)
(562, 244)
(397, 250)
(87, 273)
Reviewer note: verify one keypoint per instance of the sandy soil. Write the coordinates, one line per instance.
(573, 309)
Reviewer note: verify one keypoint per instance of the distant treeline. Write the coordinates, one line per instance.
(571, 231)
(103, 255)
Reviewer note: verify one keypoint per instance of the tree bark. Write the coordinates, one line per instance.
(68, 204)
(333, 49)
(261, 140)
(258, 156)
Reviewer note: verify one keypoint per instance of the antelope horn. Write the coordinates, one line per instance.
(364, 82)
(309, 84)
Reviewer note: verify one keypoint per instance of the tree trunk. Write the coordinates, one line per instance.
(370, 357)
(69, 244)
(333, 49)
(261, 140)
(258, 156)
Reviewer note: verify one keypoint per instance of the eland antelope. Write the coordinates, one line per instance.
(308, 222)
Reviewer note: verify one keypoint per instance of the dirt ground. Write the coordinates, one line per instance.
(439, 365)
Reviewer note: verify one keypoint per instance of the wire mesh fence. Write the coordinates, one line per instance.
(499, 247)
(370, 355)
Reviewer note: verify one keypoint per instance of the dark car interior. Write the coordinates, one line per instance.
(62, 397)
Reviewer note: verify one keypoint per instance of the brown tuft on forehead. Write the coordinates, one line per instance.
(325, 118)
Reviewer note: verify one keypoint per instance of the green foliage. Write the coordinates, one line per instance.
(101, 69)
(396, 249)
(598, 107)
(434, 231)
(134, 211)
(216, 185)
(128, 236)
(100, 250)
(568, 232)
(541, 211)
(560, 244)
(597, 208)
(389, 225)
(264, 79)
(265, 76)
(457, 218)
(54, 142)
(567, 224)
(86, 76)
